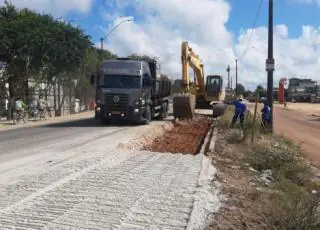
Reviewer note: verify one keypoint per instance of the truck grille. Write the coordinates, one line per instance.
(116, 102)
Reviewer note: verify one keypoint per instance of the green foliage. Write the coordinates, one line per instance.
(241, 89)
(262, 91)
(140, 57)
(106, 54)
(225, 121)
(39, 46)
(293, 206)
(247, 93)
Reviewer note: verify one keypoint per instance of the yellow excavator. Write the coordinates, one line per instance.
(200, 93)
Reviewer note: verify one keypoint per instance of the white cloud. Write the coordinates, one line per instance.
(55, 7)
(295, 57)
(167, 23)
(202, 22)
(161, 26)
(308, 1)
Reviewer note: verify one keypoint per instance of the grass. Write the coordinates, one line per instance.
(249, 125)
(293, 205)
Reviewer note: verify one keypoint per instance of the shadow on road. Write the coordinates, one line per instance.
(86, 123)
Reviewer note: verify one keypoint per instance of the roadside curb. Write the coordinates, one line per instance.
(206, 203)
(209, 141)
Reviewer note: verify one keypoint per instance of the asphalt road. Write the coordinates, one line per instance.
(25, 141)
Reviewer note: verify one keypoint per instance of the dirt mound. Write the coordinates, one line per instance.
(185, 137)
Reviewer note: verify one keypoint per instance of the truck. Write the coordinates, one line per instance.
(130, 90)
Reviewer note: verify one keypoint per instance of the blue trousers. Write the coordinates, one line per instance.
(266, 120)
(235, 118)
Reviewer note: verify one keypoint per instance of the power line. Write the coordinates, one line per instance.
(253, 28)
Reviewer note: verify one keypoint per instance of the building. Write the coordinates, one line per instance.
(301, 90)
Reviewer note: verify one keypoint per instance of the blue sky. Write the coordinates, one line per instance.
(293, 14)
(218, 30)
(287, 12)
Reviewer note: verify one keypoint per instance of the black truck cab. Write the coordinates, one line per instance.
(127, 90)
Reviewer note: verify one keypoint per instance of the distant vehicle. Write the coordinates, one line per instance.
(130, 90)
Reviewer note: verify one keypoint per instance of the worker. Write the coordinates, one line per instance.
(266, 115)
(41, 103)
(20, 106)
(240, 109)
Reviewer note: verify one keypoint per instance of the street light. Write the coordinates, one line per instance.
(115, 27)
(236, 60)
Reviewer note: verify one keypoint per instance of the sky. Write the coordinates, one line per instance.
(218, 30)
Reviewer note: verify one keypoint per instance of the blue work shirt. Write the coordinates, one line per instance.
(240, 107)
(266, 111)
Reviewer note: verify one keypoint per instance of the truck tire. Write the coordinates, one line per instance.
(148, 115)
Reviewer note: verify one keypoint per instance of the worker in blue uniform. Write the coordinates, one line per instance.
(266, 115)
(239, 112)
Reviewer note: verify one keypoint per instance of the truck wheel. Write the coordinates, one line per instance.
(148, 115)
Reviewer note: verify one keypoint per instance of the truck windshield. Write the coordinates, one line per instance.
(120, 81)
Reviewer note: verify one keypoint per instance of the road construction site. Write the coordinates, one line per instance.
(92, 173)
(79, 174)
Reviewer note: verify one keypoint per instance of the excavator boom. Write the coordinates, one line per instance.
(190, 58)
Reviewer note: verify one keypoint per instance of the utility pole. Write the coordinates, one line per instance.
(270, 63)
(236, 77)
(101, 49)
(228, 70)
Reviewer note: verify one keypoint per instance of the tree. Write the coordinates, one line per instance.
(241, 89)
(140, 57)
(262, 91)
(106, 54)
(247, 93)
(37, 46)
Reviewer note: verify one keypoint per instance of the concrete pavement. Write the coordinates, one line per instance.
(73, 175)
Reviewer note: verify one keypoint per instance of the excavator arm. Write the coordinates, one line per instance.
(190, 59)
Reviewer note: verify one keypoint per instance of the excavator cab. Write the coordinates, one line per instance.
(213, 87)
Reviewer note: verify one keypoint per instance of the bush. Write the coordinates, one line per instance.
(294, 208)
(293, 205)
(282, 158)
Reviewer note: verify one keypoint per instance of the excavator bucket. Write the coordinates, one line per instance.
(184, 106)
(219, 110)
